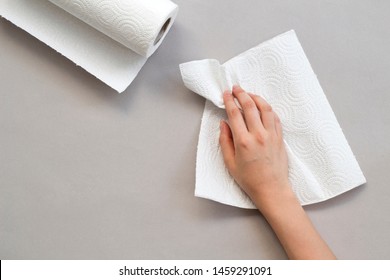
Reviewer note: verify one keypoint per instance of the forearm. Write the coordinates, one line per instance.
(292, 226)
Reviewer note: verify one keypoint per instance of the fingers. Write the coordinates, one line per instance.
(236, 120)
(251, 112)
(258, 114)
(266, 113)
(227, 145)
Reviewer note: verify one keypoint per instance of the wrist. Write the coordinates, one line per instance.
(275, 198)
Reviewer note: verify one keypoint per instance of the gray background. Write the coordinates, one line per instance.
(87, 173)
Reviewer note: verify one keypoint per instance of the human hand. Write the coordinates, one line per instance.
(253, 148)
(255, 155)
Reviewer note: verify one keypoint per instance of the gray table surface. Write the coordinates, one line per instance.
(86, 173)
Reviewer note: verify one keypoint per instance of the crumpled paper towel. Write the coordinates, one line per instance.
(321, 163)
(111, 39)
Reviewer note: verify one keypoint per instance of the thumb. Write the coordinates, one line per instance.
(227, 145)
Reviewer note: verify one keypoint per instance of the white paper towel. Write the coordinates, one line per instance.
(111, 39)
(321, 163)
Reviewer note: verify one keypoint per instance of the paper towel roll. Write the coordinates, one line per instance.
(87, 32)
(140, 25)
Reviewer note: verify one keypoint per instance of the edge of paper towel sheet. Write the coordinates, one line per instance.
(101, 56)
(251, 207)
(210, 99)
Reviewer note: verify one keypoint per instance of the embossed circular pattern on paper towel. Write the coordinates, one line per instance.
(247, 70)
(108, 17)
(318, 162)
(80, 6)
(294, 95)
(124, 24)
(336, 180)
(304, 118)
(296, 64)
(272, 85)
(270, 61)
(138, 25)
(285, 45)
(312, 88)
(336, 154)
(300, 144)
(133, 23)
(284, 112)
(202, 86)
(302, 191)
(325, 133)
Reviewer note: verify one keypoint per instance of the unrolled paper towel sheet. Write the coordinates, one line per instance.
(321, 163)
(111, 39)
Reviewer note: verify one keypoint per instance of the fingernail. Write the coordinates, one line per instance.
(237, 87)
(228, 91)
